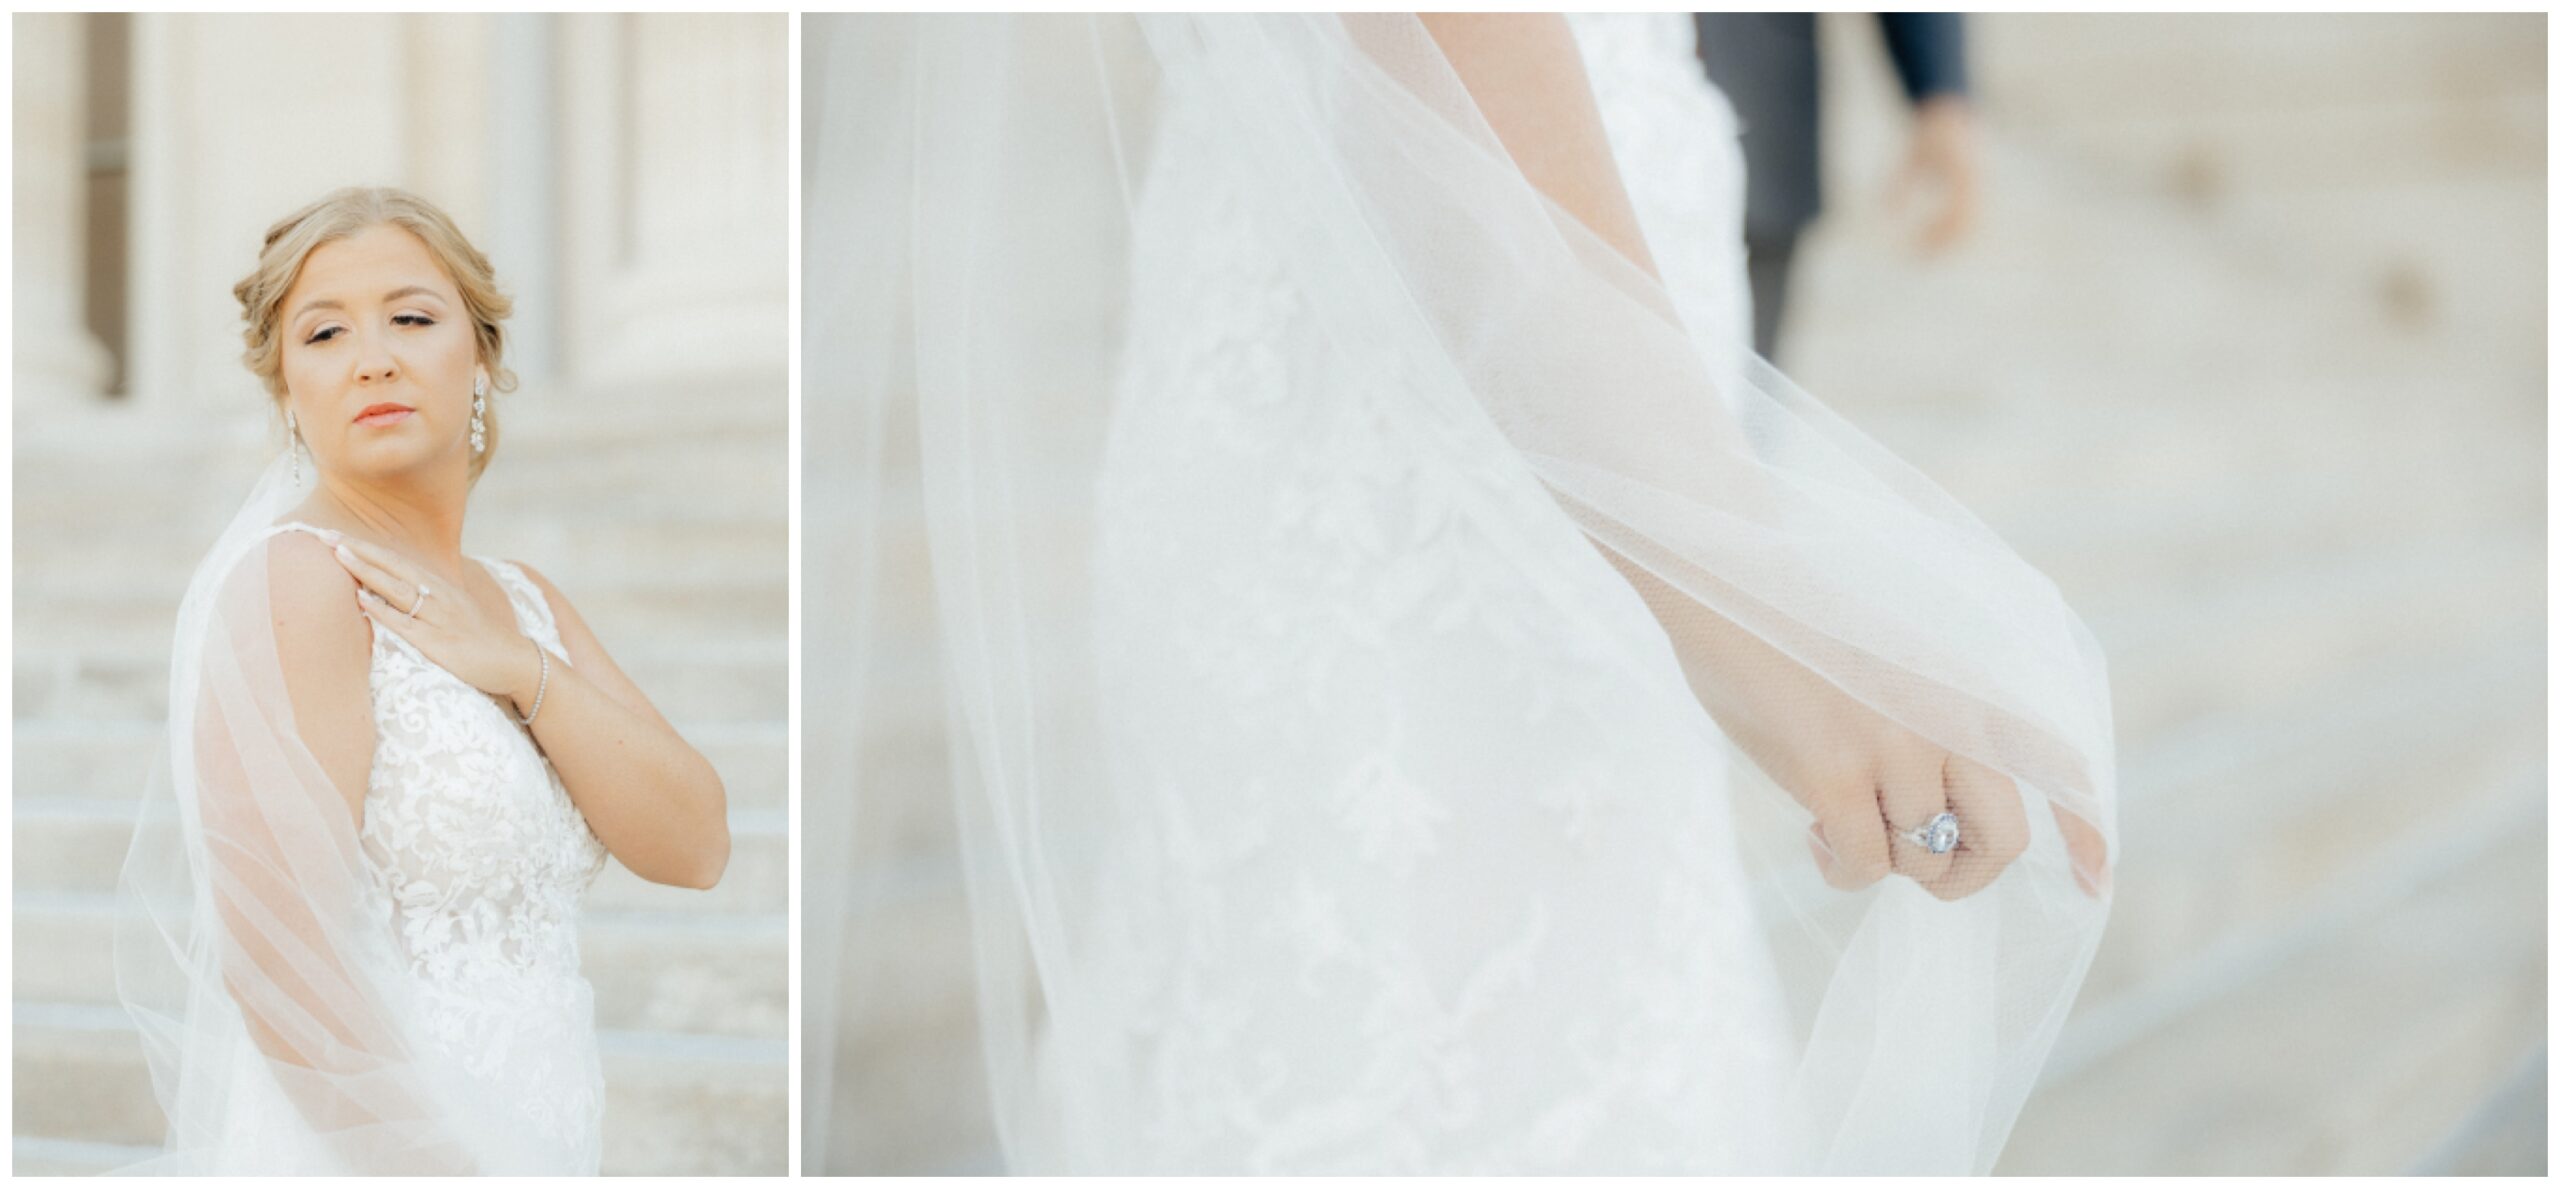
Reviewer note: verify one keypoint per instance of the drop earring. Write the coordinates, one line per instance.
(479, 410)
(293, 443)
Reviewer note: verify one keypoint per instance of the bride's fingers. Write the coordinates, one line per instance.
(2088, 848)
(1850, 847)
(1991, 825)
(380, 557)
(1906, 798)
(377, 577)
(383, 614)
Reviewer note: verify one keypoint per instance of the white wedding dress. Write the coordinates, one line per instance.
(1426, 862)
(1332, 799)
(477, 862)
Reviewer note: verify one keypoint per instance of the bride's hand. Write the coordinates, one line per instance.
(448, 627)
(1871, 783)
(1868, 781)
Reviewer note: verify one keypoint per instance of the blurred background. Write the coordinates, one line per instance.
(628, 177)
(2250, 355)
(2247, 350)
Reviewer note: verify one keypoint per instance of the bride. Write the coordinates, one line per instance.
(394, 769)
(1423, 697)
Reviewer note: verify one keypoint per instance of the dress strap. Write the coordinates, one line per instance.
(533, 611)
(332, 536)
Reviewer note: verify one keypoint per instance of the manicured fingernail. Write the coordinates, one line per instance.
(345, 554)
(1821, 843)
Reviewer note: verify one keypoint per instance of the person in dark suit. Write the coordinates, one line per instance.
(1767, 64)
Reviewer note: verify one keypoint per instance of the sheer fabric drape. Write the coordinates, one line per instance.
(254, 952)
(1339, 552)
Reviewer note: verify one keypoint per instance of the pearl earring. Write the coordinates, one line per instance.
(479, 409)
(293, 443)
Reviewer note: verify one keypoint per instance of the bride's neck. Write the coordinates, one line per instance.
(424, 524)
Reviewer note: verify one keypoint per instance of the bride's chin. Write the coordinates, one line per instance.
(388, 463)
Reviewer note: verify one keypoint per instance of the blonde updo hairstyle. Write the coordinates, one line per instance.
(343, 213)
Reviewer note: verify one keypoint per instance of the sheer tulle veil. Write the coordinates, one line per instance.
(977, 185)
(253, 952)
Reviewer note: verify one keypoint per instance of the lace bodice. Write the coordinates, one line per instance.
(469, 833)
(481, 861)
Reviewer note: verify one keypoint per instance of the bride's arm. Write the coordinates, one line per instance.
(1525, 73)
(326, 650)
(652, 799)
(283, 744)
(1860, 775)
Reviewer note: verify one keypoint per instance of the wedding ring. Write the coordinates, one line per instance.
(1938, 835)
(422, 601)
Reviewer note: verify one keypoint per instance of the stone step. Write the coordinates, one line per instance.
(2369, 1031)
(2278, 152)
(908, 961)
(112, 760)
(578, 539)
(536, 452)
(578, 547)
(78, 845)
(631, 612)
(2085, 69)
(659, 972)
(2232, 824)
(740, 683)
(675, 1105)
(2267, 636)
(912, 1104)
(67, 503)
(578, 501)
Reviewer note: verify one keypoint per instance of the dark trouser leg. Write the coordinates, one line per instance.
(1770, 260)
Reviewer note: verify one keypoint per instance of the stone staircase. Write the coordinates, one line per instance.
(2248, 355)
(662, 513)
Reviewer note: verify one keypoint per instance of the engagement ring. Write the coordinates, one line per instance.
(1937, 835)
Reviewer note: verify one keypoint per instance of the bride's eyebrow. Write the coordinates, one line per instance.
(331, 303)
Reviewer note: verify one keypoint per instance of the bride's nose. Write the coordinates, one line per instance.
(373, 362)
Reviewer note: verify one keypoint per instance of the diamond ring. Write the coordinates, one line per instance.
(1937, 835)
(422, 601)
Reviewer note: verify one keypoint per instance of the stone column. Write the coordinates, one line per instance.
(678, 183)
(237, 120)
(524, 199)
(56, 356)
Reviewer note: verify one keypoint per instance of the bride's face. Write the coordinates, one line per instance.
(379, 357)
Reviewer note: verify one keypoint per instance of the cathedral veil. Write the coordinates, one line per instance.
(253, 953)
(998, 204)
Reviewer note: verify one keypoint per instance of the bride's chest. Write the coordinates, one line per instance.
(460, 803)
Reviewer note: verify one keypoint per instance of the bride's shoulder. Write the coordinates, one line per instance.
(296, 573)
